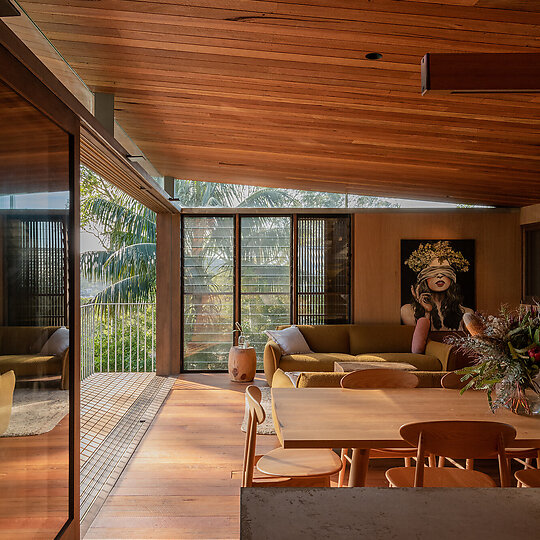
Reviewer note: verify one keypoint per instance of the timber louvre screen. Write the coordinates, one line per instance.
(269, 270)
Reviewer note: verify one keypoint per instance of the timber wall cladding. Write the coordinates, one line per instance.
(377, 266)
(279, 93)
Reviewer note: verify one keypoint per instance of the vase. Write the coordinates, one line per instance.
(525, 402)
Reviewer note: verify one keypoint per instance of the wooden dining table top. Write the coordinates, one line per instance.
(345, 418)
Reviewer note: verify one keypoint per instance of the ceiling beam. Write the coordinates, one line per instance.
(463, 73)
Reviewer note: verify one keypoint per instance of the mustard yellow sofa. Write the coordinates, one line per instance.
(356, 343)
(20, 348)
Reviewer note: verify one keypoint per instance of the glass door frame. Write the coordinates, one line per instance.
(23, 73)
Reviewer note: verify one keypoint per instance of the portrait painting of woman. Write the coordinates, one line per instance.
(430, 284)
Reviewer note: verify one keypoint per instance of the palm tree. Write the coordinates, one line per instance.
(128, 267)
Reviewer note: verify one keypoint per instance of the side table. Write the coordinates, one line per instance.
(242, 364)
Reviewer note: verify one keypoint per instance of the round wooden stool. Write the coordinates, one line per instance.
(242, 364)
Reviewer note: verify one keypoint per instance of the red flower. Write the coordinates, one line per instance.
(534, 354)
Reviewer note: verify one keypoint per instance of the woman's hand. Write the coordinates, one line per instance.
(423, 299)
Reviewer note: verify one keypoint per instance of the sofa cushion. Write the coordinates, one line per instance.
(380, 337)
(290, 340)
(330, 338)
(419, 361)
(58, 343)
(313, 361)
(30, 365)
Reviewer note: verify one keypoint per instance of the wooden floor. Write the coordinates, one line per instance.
(34, 484)
(178, 484)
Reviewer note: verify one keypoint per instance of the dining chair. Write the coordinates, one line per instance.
(377, 379)
(524, 456)
(528, 478)
(280, 467)
(460, 439)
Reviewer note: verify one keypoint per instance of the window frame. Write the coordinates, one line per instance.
(237, 215)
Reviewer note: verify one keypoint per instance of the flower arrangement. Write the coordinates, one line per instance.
(507, 353)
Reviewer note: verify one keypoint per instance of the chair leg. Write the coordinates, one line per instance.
(432, 460)
(469, 464)
(442, 461)
(341, 477)
(408, 461)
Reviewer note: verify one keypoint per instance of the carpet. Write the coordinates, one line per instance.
(36, 411)
(267, 427)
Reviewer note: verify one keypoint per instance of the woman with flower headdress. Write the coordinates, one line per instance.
(436, 294)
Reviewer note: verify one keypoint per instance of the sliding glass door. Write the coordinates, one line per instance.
(260, 271)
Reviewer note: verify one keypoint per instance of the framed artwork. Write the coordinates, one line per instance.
(437, 281)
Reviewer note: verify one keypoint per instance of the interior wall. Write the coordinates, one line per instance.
(377, 265)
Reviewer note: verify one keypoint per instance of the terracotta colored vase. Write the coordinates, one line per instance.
(242, 364)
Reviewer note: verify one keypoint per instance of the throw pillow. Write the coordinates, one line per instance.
(420, 336)
(57, 343)
(290, 340)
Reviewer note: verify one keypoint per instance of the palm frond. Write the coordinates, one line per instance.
(129, 221)
(93, 264)
(130, 261)
(138, 288)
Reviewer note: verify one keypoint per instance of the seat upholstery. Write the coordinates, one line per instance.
(419, 361)
(31, 365)
(313, 361)
(7, 384)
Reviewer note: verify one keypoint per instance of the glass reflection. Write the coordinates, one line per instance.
(34, 336)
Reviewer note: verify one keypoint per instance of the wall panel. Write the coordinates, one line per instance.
(377, 256)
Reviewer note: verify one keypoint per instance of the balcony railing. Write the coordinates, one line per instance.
(118, 337)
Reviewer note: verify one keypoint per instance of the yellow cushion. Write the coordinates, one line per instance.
(419, 361)
(320, 380)
(326, 338)
(30, 365)
(313, 361)
(391, 338)
(7, 384)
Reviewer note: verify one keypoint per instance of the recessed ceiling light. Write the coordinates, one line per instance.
(374, 56)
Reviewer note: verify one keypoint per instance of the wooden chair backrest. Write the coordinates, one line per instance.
(256, 415)
(379, 378)
(453, 381)
(460, 439)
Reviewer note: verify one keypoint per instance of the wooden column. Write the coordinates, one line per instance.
(168, 313)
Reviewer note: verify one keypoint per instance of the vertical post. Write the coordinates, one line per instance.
(294, 267)
(168, 342)
(237, 253)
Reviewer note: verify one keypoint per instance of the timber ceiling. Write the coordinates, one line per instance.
(279, 93)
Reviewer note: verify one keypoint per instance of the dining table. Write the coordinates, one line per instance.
(365, 419)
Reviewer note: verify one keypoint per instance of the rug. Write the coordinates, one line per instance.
(267, 427)
(36, 411)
